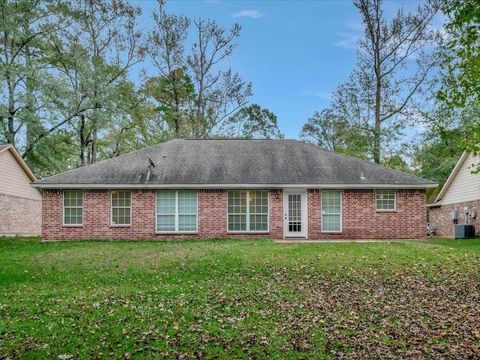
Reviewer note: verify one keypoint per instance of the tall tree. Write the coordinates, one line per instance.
(461, 65)
(195, 91)
(93, 57)
(172, 88)
(393, 64)
(219, 92)
(24, 28)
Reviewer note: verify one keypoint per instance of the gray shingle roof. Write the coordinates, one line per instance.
(234, 162)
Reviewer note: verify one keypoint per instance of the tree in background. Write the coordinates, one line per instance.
(252, 121)
(131, 127)
(219, 92)
(394, 64)
(25, 27)
(85, 61)
(172, 90)
(384, 81)
(108, 43)
(172, 96)
(435, 156)
(195, 92)
(329, 130)
(67, 98)
(461, 65)
(55, 153)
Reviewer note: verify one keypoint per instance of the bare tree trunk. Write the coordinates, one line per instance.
(378, 84)
(177, 104)
(30, 126)
(82, 140)
(198, 117)
(94, 146)
(10, 135)
(377, 131)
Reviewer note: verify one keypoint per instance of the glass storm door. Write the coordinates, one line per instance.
(295, 213)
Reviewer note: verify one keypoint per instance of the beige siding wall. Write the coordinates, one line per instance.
(13, 179)
(465, 186)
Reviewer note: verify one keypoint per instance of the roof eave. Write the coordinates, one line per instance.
(234, 186)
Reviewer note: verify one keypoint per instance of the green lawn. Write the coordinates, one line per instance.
(239, 299)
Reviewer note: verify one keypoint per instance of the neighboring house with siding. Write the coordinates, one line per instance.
(187, 189)
(20, 203)
(462, 189)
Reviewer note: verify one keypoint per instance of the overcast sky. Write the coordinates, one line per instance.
(294, 52)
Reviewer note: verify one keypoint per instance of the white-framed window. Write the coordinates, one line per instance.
(386, 200)
(121, 208)
(248, 211)
(177, 211)
(73, 207)
(331, 211)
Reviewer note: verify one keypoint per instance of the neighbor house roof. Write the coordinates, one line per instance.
(18, 157)
(186, 163)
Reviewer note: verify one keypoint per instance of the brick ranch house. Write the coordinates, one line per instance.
(186, 189)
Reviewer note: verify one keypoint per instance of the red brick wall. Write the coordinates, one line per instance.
(360, 219)
(440, 217)
(212, 217)
(276, 214)
(407, 222)
(212, 213)
(314, 214)
(96, 217)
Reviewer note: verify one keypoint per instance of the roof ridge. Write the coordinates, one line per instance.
(365, 161)
(230, 139)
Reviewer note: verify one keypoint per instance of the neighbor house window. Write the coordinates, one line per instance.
(176, 211)
(386, 200)
(73, 207)
(248, 210)
(121, 207)
(331, 211)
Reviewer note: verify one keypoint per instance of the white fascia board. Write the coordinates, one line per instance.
(231, 186)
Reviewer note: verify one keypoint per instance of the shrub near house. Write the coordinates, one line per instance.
(233, 188)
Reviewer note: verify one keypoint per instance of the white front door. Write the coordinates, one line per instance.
(295, 213)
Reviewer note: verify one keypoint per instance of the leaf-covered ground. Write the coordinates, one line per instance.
(239, 299)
